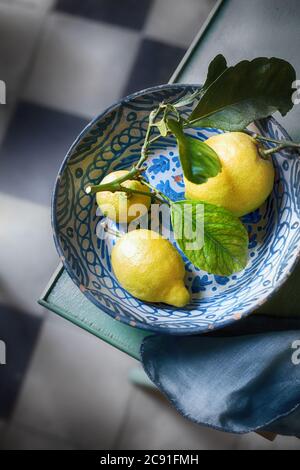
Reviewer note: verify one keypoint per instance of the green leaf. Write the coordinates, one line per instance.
(244, 93)
(224, 250)
(216, 68)
(162, 127)
(199, 161)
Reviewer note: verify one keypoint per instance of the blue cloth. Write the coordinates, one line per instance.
(239, 379)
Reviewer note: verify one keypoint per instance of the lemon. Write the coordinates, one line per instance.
(246, 179)
(150, 268)
(118, 206)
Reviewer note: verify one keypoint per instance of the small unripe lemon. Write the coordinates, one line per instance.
(150, 268)
(246, 179)
(120, 206)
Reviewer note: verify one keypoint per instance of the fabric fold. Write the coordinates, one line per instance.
(238, 380)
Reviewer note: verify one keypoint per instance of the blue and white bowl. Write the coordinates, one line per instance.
(113, 141)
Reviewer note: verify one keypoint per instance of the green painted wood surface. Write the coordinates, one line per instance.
(64, 298)
(239, 29)
(244, 29)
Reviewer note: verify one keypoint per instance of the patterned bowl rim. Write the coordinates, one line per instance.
(137, 323)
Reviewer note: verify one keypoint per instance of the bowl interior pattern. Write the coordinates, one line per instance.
(113, 141)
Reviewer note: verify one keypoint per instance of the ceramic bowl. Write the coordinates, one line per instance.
(113, 141)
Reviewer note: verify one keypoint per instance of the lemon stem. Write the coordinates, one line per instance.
(159, 194)
(145, 148)
(137, 169)
(277, 148)
(281, 144)
(113, 187)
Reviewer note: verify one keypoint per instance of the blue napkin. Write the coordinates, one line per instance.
(243, 378)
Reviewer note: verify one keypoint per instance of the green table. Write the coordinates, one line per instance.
(235, 29)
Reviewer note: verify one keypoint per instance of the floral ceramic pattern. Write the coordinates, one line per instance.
(113, 141)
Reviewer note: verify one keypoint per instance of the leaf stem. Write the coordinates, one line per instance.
(144, 152)
(277, 148)
(133, 173)
(151, 141)
(115, 187)
(158, 193)
(281, 144)
(137, 169)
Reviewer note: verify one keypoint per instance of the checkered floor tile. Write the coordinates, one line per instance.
(153, 64)
(130, 13)
(35, 144)
(81, 66)
(19, 332)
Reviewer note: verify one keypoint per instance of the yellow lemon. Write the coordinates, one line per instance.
(246, 179)
(150, 268)
(120, 206)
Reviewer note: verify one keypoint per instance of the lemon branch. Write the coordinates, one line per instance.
(147, 142)
(280, 144)
(115, 187)
(159, 195)
(137, 169)
(165, 109)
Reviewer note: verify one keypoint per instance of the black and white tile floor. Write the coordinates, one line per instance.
(63, 62)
